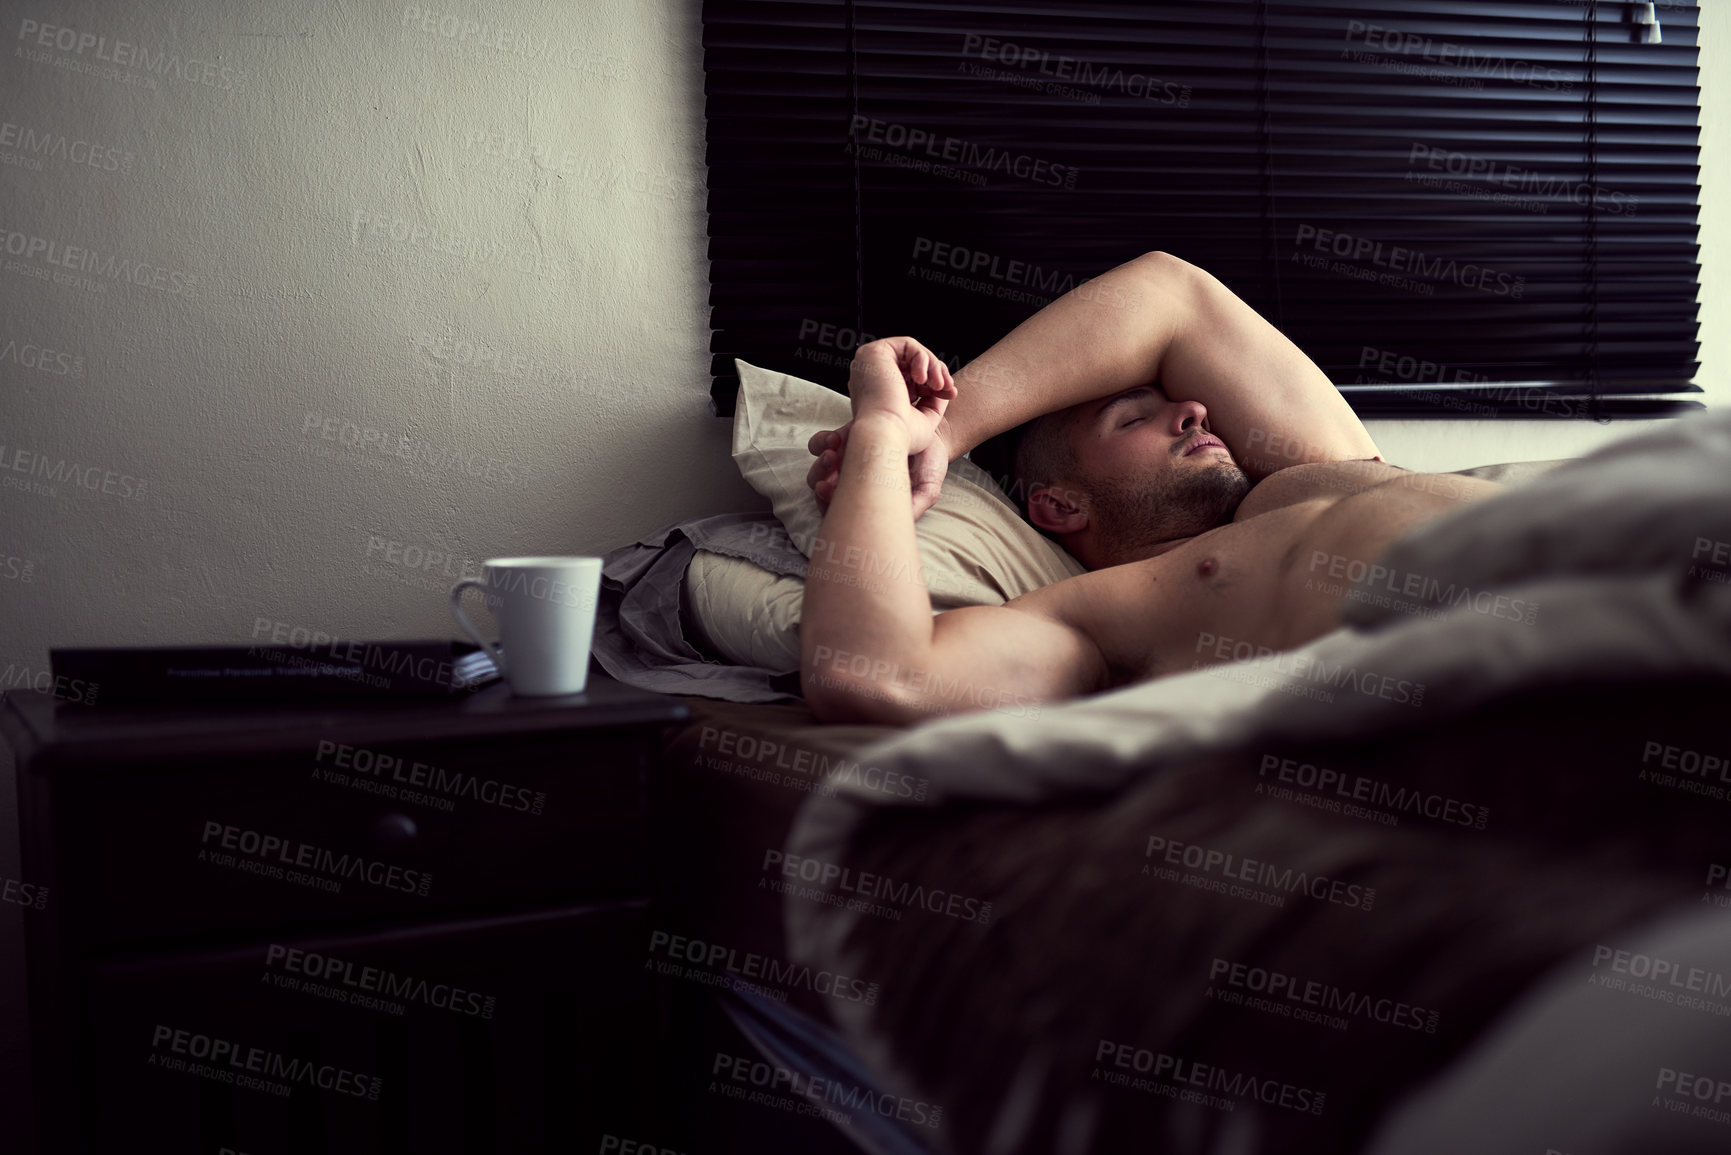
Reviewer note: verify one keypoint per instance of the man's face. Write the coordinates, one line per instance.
(1152, 469)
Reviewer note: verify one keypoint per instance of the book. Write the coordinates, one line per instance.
(334, 668)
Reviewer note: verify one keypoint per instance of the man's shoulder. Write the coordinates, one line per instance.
(1314, 481)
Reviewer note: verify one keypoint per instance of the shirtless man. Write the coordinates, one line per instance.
(1194, 459)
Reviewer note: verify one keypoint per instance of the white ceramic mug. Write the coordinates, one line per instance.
(545, 607)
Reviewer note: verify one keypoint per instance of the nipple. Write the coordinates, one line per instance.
(1207, 568)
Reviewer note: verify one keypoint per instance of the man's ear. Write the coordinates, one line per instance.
(1057, 510)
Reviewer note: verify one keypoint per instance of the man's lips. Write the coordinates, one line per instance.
(1203, 441)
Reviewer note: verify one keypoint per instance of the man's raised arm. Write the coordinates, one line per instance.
(1154, 319)
(1161, 319)
(870, 650)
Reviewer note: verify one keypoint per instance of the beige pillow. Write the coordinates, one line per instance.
(975, 548)
(743, 613)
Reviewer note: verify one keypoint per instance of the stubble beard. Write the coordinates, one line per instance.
(1146, 511)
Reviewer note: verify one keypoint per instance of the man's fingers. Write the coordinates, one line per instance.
(917, 362)
(927, 470)
(827, 439)
(937, 381)
(918, 365)
(925, 495)
(936, 392)
(825, 468)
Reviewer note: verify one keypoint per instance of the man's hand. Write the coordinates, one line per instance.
(900, 376)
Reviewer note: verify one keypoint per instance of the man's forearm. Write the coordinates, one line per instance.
(867, 612)
(1107, 335)
(1161, 319)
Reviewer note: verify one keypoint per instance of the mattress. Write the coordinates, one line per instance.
(723, 794)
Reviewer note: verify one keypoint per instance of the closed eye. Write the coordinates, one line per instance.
(1131, 422)
(1127, 402)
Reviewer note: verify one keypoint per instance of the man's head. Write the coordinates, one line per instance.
(1113, 478)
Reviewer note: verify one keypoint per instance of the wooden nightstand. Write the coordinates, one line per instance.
(339, 928)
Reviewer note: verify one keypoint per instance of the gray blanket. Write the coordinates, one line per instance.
(639, 635)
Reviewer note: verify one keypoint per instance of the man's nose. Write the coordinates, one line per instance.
(1181, 416)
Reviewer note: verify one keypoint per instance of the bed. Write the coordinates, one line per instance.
(1214, 913)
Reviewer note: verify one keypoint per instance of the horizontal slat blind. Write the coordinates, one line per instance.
(1450, 204)
(1081, 134)
(1479, 193)
(781, 193)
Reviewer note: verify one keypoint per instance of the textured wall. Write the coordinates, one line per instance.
(300, 300)
(305, 308)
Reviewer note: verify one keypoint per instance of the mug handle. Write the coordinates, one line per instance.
(493, 650)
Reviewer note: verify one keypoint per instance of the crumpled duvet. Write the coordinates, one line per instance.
(1609, 569)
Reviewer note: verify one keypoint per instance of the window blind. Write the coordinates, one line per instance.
(1456, 207)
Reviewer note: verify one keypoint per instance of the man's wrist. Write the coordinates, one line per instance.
(883, 427)
(952, 438)
(878, 451)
